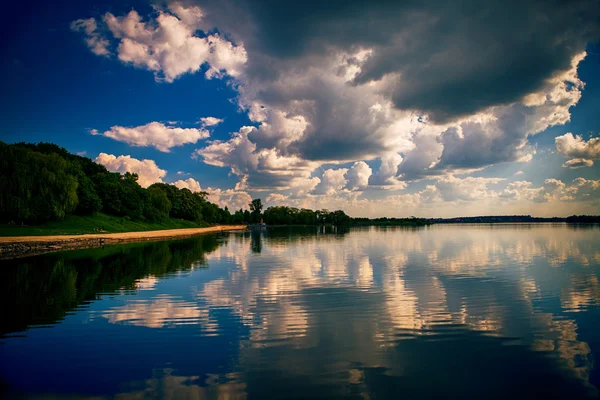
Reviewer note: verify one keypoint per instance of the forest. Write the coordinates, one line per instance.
(43, 182)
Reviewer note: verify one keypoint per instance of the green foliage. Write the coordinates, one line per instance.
(159, 205)
(35, 187)
(44, 182)
(256, 208)
(89, 201)
(293, 216)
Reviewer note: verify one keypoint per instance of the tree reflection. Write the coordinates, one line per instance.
(42, 290)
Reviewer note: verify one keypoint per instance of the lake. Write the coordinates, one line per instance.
(446, 311)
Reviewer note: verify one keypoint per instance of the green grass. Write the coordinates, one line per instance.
(76, 225)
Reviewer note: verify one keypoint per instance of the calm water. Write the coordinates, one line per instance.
(457, 311)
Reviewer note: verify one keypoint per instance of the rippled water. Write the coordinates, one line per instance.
(456, 311)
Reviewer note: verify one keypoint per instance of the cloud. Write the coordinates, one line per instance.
(333, 180)
(209, 121)
(357, 177)
(257, 169)
(451, 188)
(552, 190)
(157, 135)
(386, 176)
(190, 183)
(94, 40)
(582, 152)
(230, 198)
(167, 45)
(436, 58)
(578, 163)
(147, 170)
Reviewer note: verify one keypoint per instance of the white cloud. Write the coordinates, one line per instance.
(582, 152)
(147, 170)
(332, 181)
(257, 169)
(519, 173)
(190, 183)
(97, 44)
(230, 198)
(578, 163)
(386, 176)
(209, 121)
(167, 45)
(157, 135)
(450, 188)
(358, 176)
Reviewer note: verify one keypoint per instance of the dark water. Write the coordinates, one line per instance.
(471, 311)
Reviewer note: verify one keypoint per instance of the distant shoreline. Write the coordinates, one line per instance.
(23, 246)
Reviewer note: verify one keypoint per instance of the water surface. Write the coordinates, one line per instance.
(448, 311)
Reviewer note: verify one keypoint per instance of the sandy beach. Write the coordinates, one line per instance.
(22, 246)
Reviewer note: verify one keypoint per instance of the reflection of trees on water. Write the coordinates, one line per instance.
(41, 290)
(256, 243)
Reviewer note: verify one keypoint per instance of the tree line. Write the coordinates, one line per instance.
(44, 182)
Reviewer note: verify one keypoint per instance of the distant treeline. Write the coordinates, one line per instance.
(44, 182)
(583, 219)
(413, 221)
(515, 218)
(282, 215)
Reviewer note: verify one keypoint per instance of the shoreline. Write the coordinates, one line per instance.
(23, 246)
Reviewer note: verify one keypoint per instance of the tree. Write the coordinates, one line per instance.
(158, 206)
(256, 209)
(35, 187)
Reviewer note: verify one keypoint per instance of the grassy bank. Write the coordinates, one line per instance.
(75, 225)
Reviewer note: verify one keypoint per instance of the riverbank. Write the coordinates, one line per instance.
(23, 246)
(82, 224)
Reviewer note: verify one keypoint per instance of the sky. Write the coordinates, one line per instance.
(403, 108)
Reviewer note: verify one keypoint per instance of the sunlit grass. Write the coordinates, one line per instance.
(75, 225)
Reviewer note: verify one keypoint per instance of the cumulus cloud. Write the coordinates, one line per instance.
(230, 198)
(167, 45)
(157, 135)
(257, 169)
(333, 180)
(437, 58)
(581, 151)
(578, 163)
(451, 188)
(386, 176)
(552, 190)
(209, 121)
(147, 170)
(94, 40)
(357, 177)
(190, 183)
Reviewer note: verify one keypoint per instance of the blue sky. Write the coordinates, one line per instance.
(392, 110)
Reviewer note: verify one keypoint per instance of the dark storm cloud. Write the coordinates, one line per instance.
(448, 59)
